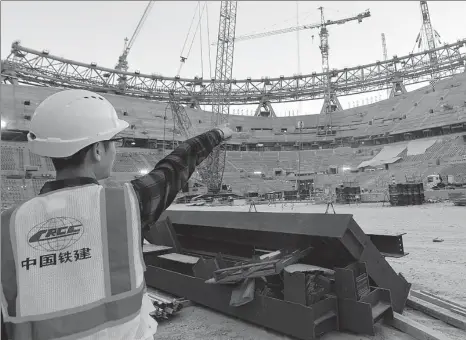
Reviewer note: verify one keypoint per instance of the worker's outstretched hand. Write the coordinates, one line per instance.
(227, 132)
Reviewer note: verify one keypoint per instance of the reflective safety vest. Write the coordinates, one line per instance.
(72, 267)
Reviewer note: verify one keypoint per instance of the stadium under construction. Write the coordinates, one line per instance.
(297, 224)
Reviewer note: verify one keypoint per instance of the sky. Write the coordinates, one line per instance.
(94, 31)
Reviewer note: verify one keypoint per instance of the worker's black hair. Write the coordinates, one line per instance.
(75, 160)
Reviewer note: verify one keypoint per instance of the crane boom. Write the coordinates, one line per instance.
(358, 17)
(122, 60)
(275, 32)
(180, 117)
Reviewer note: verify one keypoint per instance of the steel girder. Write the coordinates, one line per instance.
(40, 68)
(336, 240)
(289, 318)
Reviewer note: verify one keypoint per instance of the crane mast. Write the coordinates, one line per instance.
(224, 60)
(384, 47)
(385, 54)
(213, 167)
(429, 32)
(430, 35)
(331, 102)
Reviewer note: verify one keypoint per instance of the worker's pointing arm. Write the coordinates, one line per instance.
(157, 190)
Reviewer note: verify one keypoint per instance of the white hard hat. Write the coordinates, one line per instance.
(70, 120)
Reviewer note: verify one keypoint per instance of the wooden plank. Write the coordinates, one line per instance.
(180, 258)
(457, 305)
(459, 311)
(437, 312)
(150, 248)
(439, 302)
(415, 329)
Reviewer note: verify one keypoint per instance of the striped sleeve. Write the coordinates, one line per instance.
(157, 190)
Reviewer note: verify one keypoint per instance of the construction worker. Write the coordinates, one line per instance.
(71, 258)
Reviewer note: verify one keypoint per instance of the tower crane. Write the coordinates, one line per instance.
(211, 170)
(331, 102)
(122, 59)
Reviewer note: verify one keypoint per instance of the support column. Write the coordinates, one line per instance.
(398, 87)
(267, 105)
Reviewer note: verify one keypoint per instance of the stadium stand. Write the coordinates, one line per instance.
(9, 161)
(415, 133)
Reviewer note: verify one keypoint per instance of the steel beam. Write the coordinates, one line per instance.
(29, 66)
(302, 322)
(389, 245)
(336, 239)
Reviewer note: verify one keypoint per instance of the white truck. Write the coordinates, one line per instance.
(436, 182)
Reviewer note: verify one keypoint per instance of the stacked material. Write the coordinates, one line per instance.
(458, 198)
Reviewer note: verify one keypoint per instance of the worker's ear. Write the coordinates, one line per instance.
(96, 151)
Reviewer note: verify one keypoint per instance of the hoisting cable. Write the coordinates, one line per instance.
(195, 33)
(200, 39)
(300, 103)
(208, 41)
(297, 37)
(418, 39)
(183, 59)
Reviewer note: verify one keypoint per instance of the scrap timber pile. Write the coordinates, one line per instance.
(320, 270)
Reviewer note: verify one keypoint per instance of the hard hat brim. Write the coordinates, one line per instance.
(58, 148)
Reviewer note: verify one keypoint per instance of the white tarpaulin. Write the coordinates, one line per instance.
(386, 156)
(374, 163)
(418, 147)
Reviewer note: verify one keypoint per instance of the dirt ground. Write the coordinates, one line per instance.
(438, 267)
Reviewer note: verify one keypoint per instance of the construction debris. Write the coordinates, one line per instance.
(164, 304)
(327, 275)
(275, 263)
(243, 293)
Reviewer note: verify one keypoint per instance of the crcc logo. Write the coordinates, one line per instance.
(55, 234)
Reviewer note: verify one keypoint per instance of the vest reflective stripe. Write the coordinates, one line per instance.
(119, 242)
(132, 194)
(122, 299)
(73, 325)
(9, 275)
